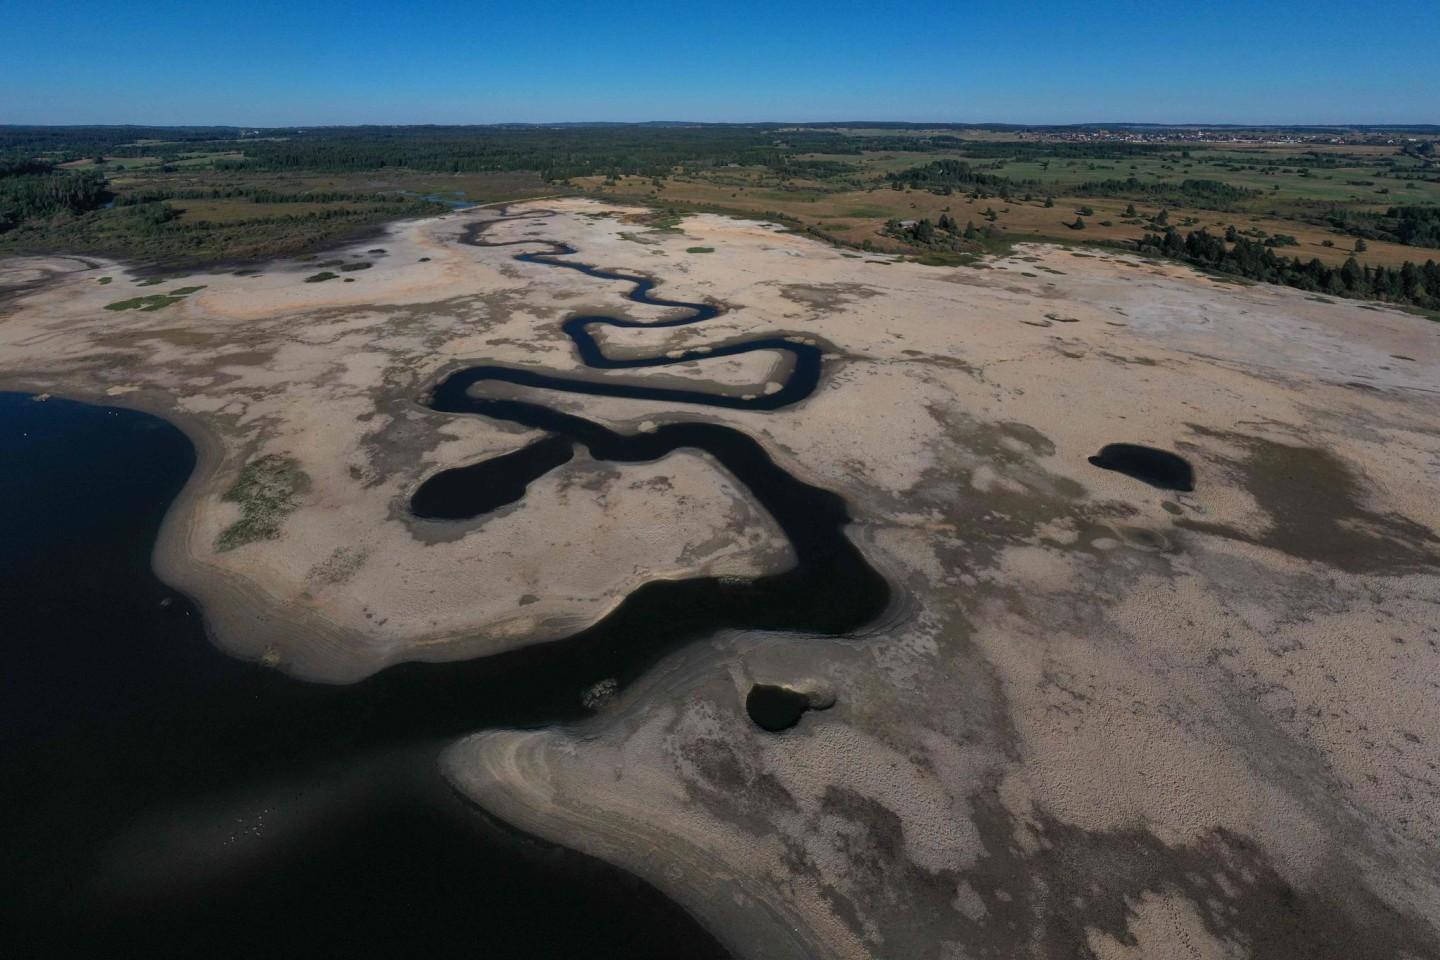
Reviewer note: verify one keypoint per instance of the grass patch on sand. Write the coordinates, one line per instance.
(321, 277)
(339, 567)
(156, 301)
(946, 258)
(352, 267)
(699, 249)
(266, 491)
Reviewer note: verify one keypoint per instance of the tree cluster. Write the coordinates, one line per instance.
(1413, 226)
(1214, 194)
(27, 196)
(949, 176)
(1414, 284)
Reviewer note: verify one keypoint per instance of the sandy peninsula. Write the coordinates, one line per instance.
(1097, 719)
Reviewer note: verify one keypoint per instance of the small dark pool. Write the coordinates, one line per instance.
(1159, 468)
(466, 492)
(775, 708)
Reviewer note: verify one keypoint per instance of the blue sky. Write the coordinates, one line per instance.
(267, 63)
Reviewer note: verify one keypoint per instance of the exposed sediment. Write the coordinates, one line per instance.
(1096, 716)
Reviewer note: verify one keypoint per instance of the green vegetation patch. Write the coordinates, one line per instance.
(156, 301)
(321, 277)
(185, 291)
(266, 491)
(352, 267)
(699, 249)
(944, 258)
(104, 280)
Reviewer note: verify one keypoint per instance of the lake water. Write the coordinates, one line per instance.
(160, 799)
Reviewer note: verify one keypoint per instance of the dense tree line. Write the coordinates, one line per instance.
(26, 196)
(15, 165)
(73, 143)
(156, 218)
(557, 153)
(255, 195)
(1414, 284)
(1215, 194)
(948, 176)
(155, 230)
(1020, 150)
(806, 168)
(1413, 226)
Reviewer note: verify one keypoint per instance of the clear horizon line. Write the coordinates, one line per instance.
(701, 123)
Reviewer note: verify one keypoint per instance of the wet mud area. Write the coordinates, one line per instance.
(1318, 511)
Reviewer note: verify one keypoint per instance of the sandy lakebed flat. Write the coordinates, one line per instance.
(1095, 715)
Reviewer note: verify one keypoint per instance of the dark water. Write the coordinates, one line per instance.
(1159, 468)
(466, 492)
(801, 382)
(160, 799)
(775, 708)
(830, 590)
(137, 762)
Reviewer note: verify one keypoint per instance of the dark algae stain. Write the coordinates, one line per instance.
(1318, 512)
(1093, 881)
(1159, 468)
(775, 708)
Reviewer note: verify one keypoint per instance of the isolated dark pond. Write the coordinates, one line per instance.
(775, 708)
(1159, 468)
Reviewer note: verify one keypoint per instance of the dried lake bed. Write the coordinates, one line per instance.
(1092, 714)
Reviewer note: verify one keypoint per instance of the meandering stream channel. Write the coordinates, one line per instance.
(163, 799)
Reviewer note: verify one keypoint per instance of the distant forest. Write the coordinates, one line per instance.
(557, 153)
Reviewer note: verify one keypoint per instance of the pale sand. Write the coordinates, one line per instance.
(1098, 716)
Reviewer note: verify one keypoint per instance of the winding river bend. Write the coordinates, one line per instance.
(830, 590)
(165, 800)
(803, 377)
